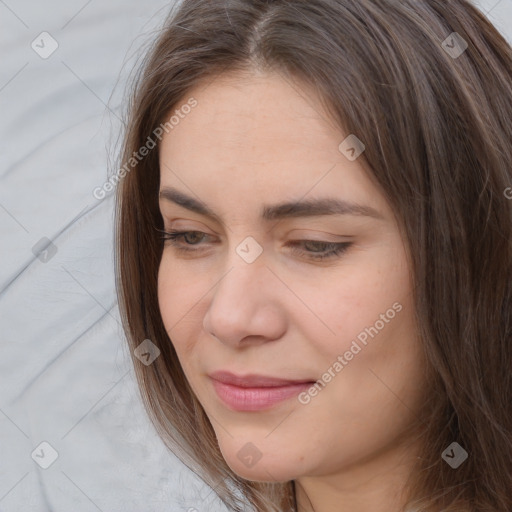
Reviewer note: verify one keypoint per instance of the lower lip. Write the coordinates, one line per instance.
(256, 399)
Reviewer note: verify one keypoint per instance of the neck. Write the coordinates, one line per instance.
(375, 485)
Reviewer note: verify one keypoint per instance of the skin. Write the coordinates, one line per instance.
(259, 139)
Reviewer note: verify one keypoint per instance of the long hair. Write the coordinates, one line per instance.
(427, 86)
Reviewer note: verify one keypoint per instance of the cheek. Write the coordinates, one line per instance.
(351, 305)
(177, 296)
(166, 298)
(376, 356)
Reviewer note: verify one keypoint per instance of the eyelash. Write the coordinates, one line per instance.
(339, 247)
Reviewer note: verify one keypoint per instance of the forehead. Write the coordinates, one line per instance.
(259, 136)
(256, 116)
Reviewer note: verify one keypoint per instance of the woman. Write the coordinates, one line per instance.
(314, 252)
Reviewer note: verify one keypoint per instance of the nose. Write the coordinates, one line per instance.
(245, 308)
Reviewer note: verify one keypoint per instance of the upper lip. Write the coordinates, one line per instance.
(253, 381)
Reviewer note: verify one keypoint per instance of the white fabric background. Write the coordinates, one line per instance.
(65, 374)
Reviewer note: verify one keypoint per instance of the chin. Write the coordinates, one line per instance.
(250, 464)
(261, 473)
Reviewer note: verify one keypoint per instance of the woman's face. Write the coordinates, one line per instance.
(246, 292)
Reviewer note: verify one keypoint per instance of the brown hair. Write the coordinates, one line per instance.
(437, 127)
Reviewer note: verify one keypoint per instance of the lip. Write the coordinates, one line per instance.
(255, 392)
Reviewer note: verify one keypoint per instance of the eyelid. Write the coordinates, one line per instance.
(316, 235)
(321, 236)
(336, 251)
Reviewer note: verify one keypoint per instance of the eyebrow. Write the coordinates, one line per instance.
(304, 208)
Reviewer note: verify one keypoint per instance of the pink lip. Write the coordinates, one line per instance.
(255, 392)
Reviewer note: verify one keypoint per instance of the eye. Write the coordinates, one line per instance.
(332, 250)
(173, 236)
(189, 239)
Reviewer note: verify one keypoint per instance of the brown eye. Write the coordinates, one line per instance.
(190, 238)
(334, 248)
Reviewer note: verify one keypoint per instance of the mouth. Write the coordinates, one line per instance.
(255, 392)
